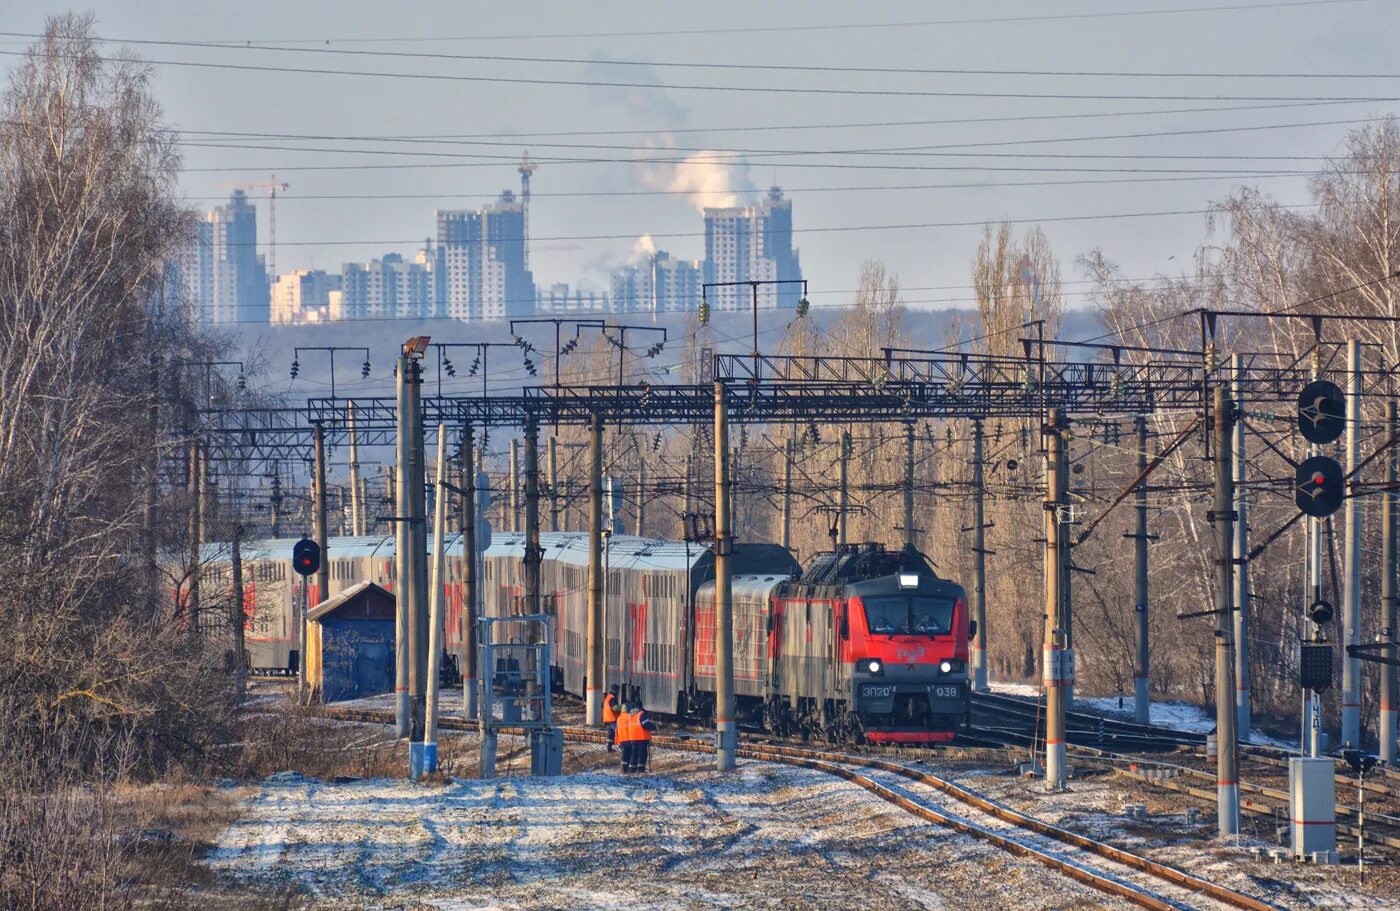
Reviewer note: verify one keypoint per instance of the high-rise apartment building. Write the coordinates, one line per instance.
(222, 273)
(303, 296)
(559, 298)
(752, 243)
(387, 288)
(657, 284)
(484, 260)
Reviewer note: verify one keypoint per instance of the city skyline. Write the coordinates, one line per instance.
(475, 267)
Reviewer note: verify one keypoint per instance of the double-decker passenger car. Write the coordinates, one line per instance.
(865, 644)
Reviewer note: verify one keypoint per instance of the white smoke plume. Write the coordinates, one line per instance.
(708, 183)
(705, 178)
(643, 248)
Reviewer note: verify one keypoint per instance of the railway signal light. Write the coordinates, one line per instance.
(306, 557)
(1315, 666)
(1361, 762)
(1320, 612)
(1319, 487)
(1321, 411)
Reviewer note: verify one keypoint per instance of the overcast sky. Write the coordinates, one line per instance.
(621, 124)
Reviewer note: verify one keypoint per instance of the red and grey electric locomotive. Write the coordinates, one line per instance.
(865, 644)
(871, 644)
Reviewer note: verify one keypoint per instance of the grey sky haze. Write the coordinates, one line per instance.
(580, 236)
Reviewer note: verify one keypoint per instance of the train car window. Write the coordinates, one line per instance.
(906, 615)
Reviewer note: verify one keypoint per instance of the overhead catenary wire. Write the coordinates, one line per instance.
(322, 46)
(827, 229)
(731, 89)
(818, 27)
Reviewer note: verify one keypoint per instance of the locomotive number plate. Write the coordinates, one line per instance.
(876, 692)
(945, 692)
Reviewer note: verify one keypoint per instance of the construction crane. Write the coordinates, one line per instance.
(526, 169)
(271, 186)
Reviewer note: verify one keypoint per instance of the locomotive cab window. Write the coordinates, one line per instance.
(909, 614)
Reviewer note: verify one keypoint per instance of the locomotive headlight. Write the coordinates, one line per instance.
(873, 666)
(946, 667)
(908, 580)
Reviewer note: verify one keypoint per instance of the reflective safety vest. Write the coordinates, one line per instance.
(624, 728)
(609, 713)
(641, 725)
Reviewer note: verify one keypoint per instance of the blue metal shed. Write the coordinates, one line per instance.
(350, 650)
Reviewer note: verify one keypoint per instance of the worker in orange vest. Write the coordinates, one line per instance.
(641, 725)
(623, 736)
(610, 715)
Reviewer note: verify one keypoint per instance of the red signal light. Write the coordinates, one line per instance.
(1319, 479)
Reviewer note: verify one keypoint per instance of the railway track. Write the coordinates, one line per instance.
(1087, 729)
(1114, 871)
(1381, 829)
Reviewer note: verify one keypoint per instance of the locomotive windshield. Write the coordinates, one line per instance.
(903, 615)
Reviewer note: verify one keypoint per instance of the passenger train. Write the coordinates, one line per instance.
(864, 644)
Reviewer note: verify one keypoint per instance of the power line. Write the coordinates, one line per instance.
(724, 156)
(514, 143)
(817, 230)
(787, 28)
(739, 191)
(303, 48)
(745, 89)
(756, 128)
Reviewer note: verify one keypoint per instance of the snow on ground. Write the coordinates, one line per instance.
(766, 836)
(1181, 716)
(1181, 832)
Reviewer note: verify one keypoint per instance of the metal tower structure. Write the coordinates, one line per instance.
(527, 167)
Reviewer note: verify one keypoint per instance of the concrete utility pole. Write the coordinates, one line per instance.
(1351, 582)
(979, 563)
(1142, 667)
(403, 586)
(726, 734)
(466, 634)
(553, 483)
(595, 684)
(641, 496)
(196, 539)
(206, 501)
(533, 551)
(415, 479)
(1067, 577)
(843, 501)
(1387, 726)
(1388, 591)
(319, 530)
(1227, 786)
(275, 508)
(357, 524)
(435, 612)
(787, 494)
(1058, 661)
(237, 620)
(1244, 720)
(909, 536)
(514, 484)
(149, 538)
(534, 556)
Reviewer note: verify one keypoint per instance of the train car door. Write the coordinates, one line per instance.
(841, 673)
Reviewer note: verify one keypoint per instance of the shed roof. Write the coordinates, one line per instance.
(365, 596)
